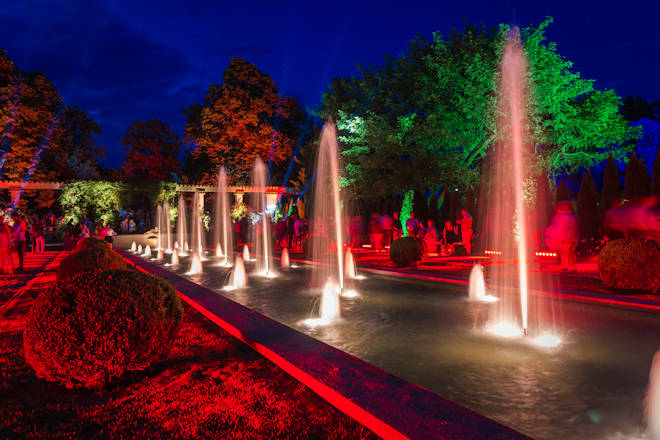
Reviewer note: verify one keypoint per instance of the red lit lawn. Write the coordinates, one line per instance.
(211, 385)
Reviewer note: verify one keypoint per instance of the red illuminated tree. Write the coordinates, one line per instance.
(241, 119)
(152, 151)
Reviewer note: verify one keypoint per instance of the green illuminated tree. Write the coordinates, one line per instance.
(427, 118)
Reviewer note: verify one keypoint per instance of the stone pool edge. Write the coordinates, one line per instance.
(386, 404)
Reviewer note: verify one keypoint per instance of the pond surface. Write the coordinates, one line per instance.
(591, 387)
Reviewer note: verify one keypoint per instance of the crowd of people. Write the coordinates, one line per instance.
(20, 234)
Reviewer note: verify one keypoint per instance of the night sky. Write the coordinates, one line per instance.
(131, 60)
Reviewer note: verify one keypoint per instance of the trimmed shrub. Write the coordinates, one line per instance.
(405, 251)
(631, 264)
(89, 260)
(90, 330)
(91, 243)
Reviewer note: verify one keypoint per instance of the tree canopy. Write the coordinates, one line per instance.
(241, 119)
(152, 151)
(426, 119)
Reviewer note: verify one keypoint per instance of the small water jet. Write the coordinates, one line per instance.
(350, 271)
(477, 285)
(223, 226)
(147, 251)
(139, 249)
(652, 401)
(238, 278)
(218, 251)
(176, 245)
(246, 253)
(159, 255)
(175, 257)
(284, 259)
(329, 310)
(195, 265)
(182, 227)
(133, 247)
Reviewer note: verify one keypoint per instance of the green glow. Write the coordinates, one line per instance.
(406, 209)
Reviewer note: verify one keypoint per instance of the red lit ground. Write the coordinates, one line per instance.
(210, 386)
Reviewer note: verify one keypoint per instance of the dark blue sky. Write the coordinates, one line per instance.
(132, 60)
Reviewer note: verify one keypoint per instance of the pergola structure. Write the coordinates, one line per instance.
(273, 193)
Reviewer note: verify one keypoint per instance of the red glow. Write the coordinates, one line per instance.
(490, 252)
(545, 254)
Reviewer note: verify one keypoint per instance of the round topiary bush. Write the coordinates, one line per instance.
(405, 251)
(90, 330)
(91, 243)
(631, 264)
(89, 260)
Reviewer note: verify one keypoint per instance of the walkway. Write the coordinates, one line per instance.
(11, 285)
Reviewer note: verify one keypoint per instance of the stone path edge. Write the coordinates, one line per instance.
(386, 404)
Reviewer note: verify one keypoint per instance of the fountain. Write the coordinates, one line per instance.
(284, 259)
(477, 286)
(168, 227)
(326, 222)
(159, 224)
(511, 216)
(246, 253)
(197, 227)
(329, 310)
(147, 251)
(350, 270)
(175, 257)
(159, 255)
(652, 401)
(262, 233)
(218, 251)
(195, 264)
(238, 278)
(182, 226)
(133, 247)
(139, 249)
(223, 227)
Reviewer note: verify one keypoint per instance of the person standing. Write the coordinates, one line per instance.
(466, 230)
(298, 230)
(20, 228)
(6, 263)
(387, 226)
(431, 237)
(412, 225)
(39, 234)
(562, 234)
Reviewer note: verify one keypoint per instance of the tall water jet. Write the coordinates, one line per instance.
(262, 234)
(159, 224)
(182, 226)
(652, 401)
(511, 211)
(197, 227)
(327, 223)
(223, 226)
(284, 259)
(168, 227)
(238, 277)
(477, 285)
(195, 264)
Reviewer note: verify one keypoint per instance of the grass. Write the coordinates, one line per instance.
(211, 385)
